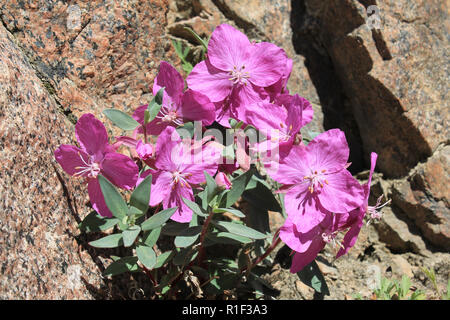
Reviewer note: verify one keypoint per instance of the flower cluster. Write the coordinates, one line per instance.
(244, 82)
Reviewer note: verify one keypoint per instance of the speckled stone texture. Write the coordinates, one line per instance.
(39, 206)
(95, 54)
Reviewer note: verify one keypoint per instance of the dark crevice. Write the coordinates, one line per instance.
(249, 28)
(336, 107)
(381, 45)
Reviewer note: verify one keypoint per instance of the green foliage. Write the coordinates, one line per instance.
(140, 198)
(183, 54)
(312, 277)
(179, 249)
(154, 106)
(121, 119)
(397, 290)
(113, 199)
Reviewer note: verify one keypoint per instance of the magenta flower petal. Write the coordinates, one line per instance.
(120, 170)
(166, 153)
(266, 117)
(195, 106)
(183, 213)
(227, 47)
(210, 81)
(96, 198)
(301, 260)
(331, 149)
(91, 135)
(297, 241)
(207, 160)
(173, 82)
(266, 64)
(71, 159)
(342, 193)
(293, 167)
(161, 186)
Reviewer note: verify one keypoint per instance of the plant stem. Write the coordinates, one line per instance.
(145, 134)
(201, 252)
(268, 251)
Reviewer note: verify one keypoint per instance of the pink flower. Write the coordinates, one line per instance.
(280, 121)
(236, 71)
(96, 156)
(146, 152)
(222, 180)
(309, 238)
(316, 180)
(177, 106)
(179, 168)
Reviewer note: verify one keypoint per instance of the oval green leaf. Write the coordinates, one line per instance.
(147, 256)
(121, 119)
(158, 219)
(111, 241)
(240, 230)
(113, 199)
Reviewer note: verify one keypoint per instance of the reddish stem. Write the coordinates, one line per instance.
(202, 238)
(268, 251)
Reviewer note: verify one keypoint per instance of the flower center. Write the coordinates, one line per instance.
(179, 177)
(331, 238)
(374, 212)
(169, 114)
(91, 168)
(239, 75)
(316, 180)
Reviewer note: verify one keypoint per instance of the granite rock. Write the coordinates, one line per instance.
(40, 207)
(94, 54)
(395, 74)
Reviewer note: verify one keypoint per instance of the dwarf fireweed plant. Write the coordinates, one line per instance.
(231, 134)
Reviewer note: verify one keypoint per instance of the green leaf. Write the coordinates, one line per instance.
(163, 258)
(158, 219)
(188, 237)
(147, 256)
(121, 119)
(94, 222)
(233, 211)
(155, 105)
(312, 277)
(130, 235)
(140, 198)
(238, 187)
(199, 39)
(152, 237)
(194, 207)
(111, 241)
(132, 211)
(240, 230)
(113, 199)
(211, 186)
(228, 238)
(405, 284)
(126, 264)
